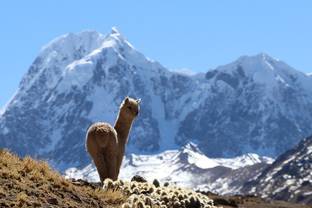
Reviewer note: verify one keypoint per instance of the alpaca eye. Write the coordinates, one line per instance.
(129, 107)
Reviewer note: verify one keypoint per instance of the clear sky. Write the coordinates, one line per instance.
(197, 35)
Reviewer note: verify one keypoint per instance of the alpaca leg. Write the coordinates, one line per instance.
(118, 166)
(111, 166)
(101, 167)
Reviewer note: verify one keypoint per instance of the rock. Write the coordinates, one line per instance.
(139, 179)
(156, 183)
(52, 201)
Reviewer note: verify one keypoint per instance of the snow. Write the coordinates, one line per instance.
(265, 70)
(309, 150)
(167, 127)
(111, 48)
(241, 161)
(78, 73)
(54, 139)
(184, 71)
(220, 186)
(11, 101)
(115, 30)
(201, 160)
(267, 63)
(102, 108)
(280, 79)
(88, 170)
(278, 181)
(168, 166)
(68, 42)
(5, 130)
(307, 193)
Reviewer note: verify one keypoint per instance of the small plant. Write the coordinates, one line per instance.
(144, 195)
(22, 198)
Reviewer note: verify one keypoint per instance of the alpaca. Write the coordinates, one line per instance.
(106, 144)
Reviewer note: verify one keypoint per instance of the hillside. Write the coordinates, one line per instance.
(26, 182)
(288, 178)
(30, 183)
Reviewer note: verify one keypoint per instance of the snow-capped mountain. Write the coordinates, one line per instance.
(254, 99)
(186, 167)
(288, 178)
(254, 104)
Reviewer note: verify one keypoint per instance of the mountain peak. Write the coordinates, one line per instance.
(67, 44)
(190, 146)
(116, 40)
(262, 67)
(267, 66)
(258, 58)
(115, 34)
(115, 31)
(266, 57)
(263, 55)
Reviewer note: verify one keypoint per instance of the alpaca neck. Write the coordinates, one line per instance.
(122, 127)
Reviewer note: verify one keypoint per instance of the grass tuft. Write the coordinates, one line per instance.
(27, 182)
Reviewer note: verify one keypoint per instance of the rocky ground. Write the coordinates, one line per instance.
(250, 201)
(288, 178)
(30, 183)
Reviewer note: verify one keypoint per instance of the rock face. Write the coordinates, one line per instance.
(255, 104)
(289, 178)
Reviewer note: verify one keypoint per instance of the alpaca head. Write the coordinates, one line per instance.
(130, 108)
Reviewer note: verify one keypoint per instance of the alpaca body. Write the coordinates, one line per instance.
(102, 145)
(106, 144)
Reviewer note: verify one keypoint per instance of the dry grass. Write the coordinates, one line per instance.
(30, 183)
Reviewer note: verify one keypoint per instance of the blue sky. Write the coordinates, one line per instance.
(198, 35)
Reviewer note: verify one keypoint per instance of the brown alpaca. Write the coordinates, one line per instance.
(106, 144)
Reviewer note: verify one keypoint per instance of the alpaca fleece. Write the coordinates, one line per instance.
(106, 144)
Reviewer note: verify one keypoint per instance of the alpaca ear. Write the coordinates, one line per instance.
(127, 99)
(138, 100)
